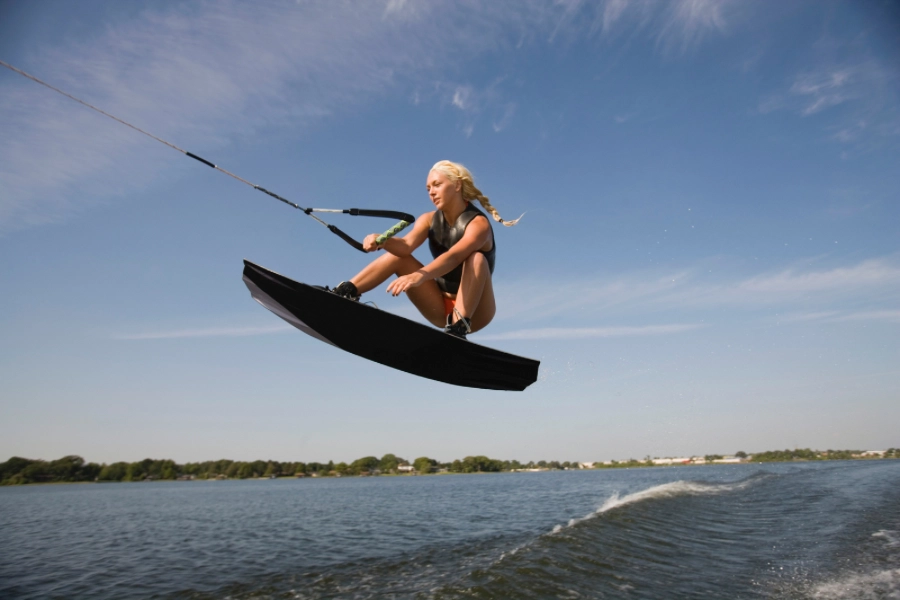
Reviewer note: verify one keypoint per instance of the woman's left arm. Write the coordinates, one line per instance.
(476, 236)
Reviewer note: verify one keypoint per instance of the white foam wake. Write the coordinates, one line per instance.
(877, 585)
(892, 538)
(665, 490)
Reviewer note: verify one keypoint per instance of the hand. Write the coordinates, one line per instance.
(406, 282)
(370, 244)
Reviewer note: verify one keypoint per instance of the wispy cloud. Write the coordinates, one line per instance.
(792, 281)
(873, 283)
(687, 24)
(676, 28)
(200, 78)
(204, 333)
(892, 316)
(885, 316)
(207, 74)
(857, 100)
(462, 97)
(505, 117)
(567, 333)
(473, 103)
(824, 89)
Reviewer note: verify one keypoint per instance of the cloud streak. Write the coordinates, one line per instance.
(874, 284)
(884, 316)
(569, 333)
(206, 333)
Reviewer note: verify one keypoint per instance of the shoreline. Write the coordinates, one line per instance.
(334, 475)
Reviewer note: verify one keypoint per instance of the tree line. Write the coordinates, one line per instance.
(18, 470)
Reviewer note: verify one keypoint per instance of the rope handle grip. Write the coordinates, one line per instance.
(406, 220)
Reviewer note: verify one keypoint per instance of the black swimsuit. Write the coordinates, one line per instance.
(442, 237)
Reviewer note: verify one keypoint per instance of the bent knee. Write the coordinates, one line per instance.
(477, 261)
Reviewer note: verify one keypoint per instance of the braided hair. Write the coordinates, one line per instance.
(457, 172)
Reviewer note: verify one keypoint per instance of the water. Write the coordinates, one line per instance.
(783, 531)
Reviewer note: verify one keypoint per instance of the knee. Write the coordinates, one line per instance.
(478, 263)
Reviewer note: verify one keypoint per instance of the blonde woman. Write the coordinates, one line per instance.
(454, 290)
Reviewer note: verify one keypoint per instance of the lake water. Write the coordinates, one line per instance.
(799, 530)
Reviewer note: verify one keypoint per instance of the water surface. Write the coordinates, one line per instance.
(799, 530)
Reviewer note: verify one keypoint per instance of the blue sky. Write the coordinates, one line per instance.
(709, 259)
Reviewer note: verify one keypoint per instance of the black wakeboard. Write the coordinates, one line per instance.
(386, 338)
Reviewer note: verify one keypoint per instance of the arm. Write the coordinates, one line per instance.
(403, 246)
(476, 236)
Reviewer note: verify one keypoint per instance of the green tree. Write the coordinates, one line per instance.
(480, 464)
(13, 467)
(367, 464)
(67, 468)
(423, 464)
(113, 472)
(389, 463)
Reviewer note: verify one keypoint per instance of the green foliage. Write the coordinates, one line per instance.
(364, 466)
(18, 470)
(113, 472)
(389, 463)
(787, 455)
(423, 464)
(477, 464)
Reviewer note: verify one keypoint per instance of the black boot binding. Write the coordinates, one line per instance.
(460, 328)
(346, 289)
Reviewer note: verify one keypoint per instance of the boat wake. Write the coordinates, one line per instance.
(663, 491)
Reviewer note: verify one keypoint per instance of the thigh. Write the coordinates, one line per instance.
(429, 299)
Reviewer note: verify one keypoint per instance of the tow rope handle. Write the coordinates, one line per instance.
(406, 220)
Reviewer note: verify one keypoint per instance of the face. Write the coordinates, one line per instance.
(442, 190)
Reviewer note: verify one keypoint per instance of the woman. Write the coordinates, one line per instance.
(454, 290)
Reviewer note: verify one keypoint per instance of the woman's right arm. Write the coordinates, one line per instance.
(402, 246)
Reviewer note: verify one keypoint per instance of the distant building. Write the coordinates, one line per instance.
(671, 461)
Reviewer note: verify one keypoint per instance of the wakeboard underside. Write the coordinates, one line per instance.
(387, 338)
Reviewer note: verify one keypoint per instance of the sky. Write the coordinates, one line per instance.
(709, 259)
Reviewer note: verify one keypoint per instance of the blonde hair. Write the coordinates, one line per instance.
(457, 172)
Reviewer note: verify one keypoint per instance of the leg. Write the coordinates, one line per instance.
(475, 299)
(427, 297)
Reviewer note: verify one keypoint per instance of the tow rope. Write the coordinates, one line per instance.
(405, 218)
